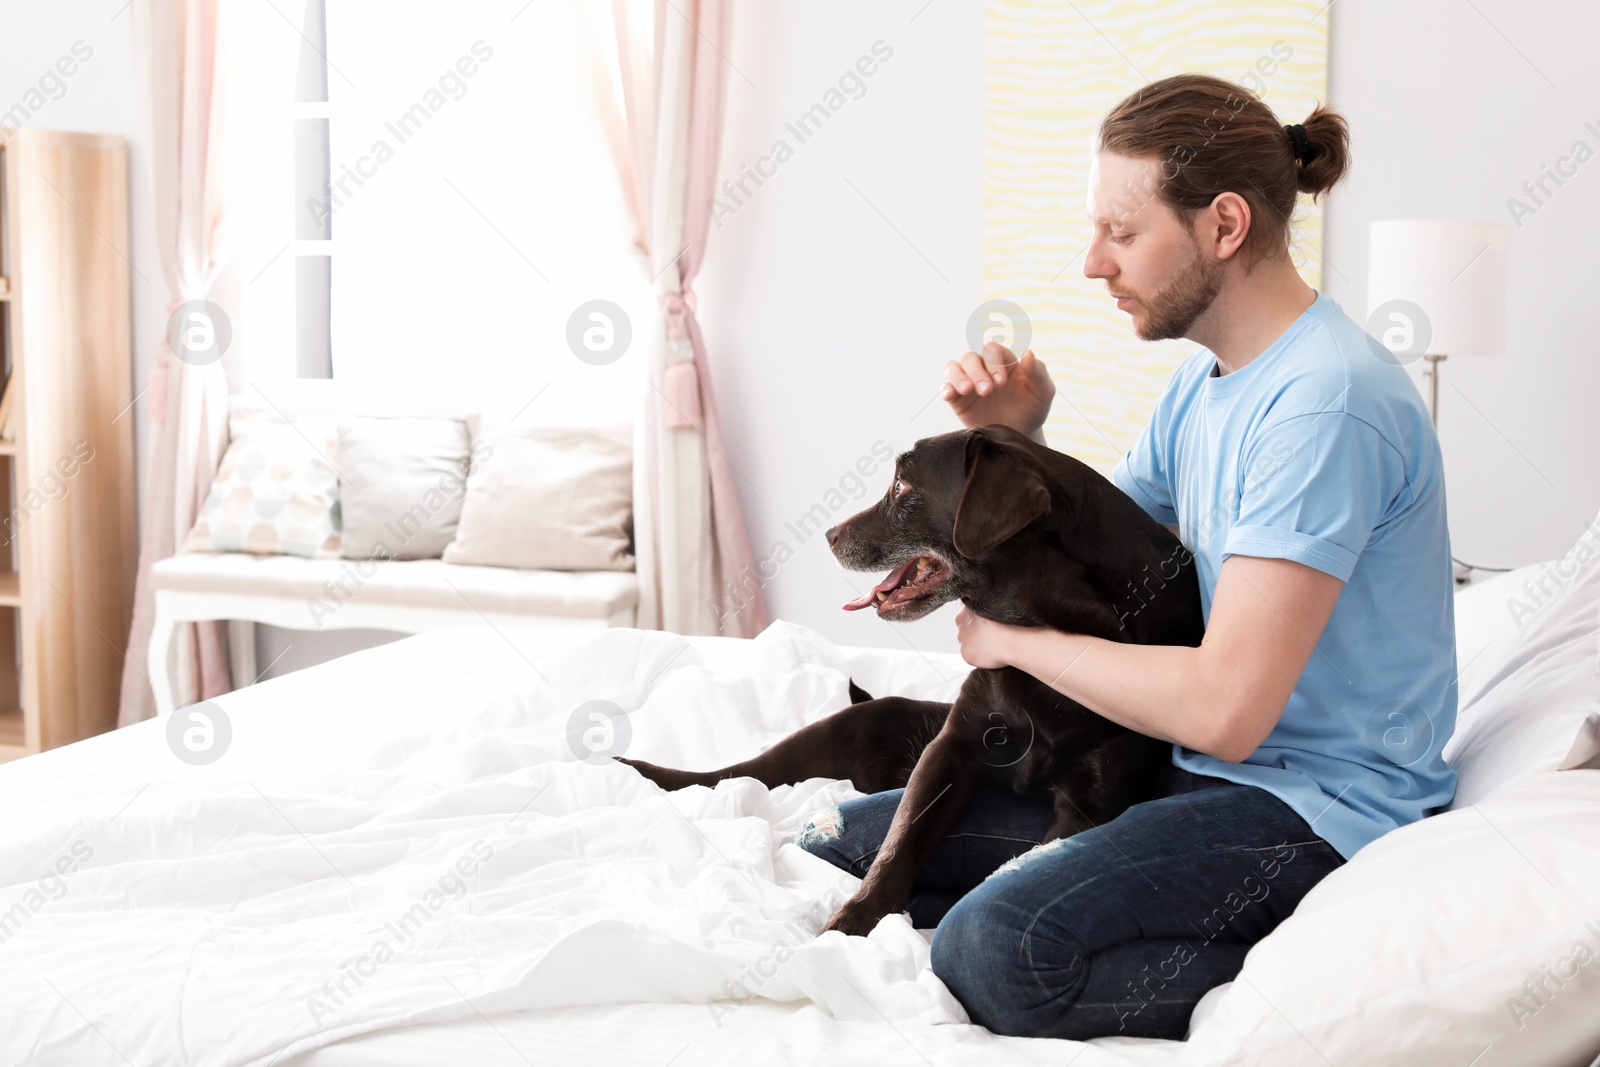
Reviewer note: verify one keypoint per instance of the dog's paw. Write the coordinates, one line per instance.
(854, 919)
(648, 770)
(666, 777)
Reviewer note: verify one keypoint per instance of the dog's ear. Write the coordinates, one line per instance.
(1002, 494)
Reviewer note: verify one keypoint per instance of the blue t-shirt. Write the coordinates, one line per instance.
(1320, 451)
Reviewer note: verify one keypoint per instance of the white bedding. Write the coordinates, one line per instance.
(594, 918)
(254, 909)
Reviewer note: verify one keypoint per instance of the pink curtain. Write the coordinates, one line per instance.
(696, 567)
(175, 46)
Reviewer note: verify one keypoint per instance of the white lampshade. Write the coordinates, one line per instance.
(1455, 272)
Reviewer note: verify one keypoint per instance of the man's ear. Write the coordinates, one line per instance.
(1227, 224)
(1002, 495)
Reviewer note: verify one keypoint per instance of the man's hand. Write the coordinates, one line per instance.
(1222, 698)
(984, 642)
(996, 387)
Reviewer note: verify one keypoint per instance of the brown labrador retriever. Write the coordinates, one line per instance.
(1021, 534)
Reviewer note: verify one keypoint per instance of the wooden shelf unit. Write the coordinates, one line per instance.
(68, 542)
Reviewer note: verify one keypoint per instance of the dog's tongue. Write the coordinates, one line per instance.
(884, 586)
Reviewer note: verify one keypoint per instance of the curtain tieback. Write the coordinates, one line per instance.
(678, 307)
(680, 381)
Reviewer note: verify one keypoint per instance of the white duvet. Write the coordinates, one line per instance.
(403, 849)
(418, 841)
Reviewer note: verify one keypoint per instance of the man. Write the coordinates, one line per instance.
(1302, 471)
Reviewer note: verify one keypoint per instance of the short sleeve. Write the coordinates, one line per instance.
(1312, 489)
(1145, 473)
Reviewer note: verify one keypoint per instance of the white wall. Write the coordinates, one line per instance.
(833, 296)
(1452, 110)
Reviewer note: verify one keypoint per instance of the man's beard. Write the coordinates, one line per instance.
(1173, 310)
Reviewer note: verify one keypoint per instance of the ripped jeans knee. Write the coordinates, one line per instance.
(1033, 855)
(822, 829)
(849, 835)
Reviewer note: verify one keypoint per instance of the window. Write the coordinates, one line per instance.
(313, 222)
(470, 208)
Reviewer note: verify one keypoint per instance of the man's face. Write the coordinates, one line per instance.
(1145, 253)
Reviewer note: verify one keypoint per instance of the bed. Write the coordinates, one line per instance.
(412, 855)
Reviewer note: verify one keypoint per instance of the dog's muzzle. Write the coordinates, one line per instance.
(916, 578)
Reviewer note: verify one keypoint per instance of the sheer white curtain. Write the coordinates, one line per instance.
(181, 66)
(211, 77)
(696, 570)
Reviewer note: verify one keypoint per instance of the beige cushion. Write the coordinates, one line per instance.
(401, 483)
(276, 489)
(418, 583)
(547, 497)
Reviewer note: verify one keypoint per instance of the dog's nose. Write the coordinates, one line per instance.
(833, 536)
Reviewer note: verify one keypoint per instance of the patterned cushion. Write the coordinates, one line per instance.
(276, 490)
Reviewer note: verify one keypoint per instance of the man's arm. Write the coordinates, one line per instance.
(1222, 698)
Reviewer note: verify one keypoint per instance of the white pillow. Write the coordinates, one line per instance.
(1484, 613)
(1528, 648)
(546, 497)
(1470, 937)
(401, 482)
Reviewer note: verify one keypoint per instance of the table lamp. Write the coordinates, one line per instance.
(1437, 289)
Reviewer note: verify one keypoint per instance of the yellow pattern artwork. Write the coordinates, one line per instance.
(1053, 69)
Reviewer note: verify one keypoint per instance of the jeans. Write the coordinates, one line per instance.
(1118, 930)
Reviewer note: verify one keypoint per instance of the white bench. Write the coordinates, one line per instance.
(402, 596)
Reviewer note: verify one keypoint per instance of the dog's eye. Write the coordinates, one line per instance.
(900, 487)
